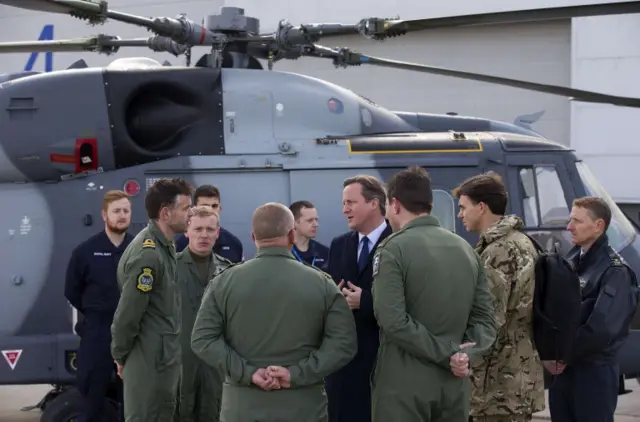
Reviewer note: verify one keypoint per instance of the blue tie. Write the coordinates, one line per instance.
(364, 254)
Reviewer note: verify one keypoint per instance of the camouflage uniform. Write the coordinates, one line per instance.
(508, 382)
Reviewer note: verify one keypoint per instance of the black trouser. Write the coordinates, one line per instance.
(585, 392)
(96, 368)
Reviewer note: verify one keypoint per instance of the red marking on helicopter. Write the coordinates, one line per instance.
(12, 357)
(335, 106)
(132, 188)
(61, 158)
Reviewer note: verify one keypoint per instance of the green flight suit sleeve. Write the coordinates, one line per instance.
(482, 327)
(339, 345)
(139, 274)
(207, 339)
(391, 312)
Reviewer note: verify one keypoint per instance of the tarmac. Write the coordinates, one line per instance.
(13, 398)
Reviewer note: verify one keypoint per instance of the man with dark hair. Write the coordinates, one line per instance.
(350, 254)
(586, 388)
(227, 245)
(92, 289)
(305, 248)
(507, 383)
(145, 328)
(431, 300)
(274, 328)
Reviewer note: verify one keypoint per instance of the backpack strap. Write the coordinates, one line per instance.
(536, 244)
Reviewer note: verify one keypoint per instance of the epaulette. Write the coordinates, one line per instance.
(616, 259)
(223, 259)
(148, 244)
(231, 265)
(317, 269)
(387, 239)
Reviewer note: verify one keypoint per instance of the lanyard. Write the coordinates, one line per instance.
(295, 253)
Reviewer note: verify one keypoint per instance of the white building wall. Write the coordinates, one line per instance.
(605, 57)
(591, 53)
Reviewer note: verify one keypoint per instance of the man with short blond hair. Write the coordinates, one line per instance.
(92, 288)
(275, 328)
(200, 384)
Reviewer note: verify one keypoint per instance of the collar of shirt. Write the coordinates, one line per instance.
(374, 235)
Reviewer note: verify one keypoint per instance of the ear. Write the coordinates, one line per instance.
(104, 215)
(186, 235)
(253, 237)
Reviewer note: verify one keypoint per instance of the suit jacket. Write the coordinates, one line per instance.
(348, 390)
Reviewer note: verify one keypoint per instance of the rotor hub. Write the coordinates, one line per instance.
(233, 20)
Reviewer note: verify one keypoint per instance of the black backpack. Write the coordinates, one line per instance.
(556, 305)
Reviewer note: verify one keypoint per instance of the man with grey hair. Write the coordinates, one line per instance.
(275, 328)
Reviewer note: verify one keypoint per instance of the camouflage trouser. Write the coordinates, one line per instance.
(501, 418)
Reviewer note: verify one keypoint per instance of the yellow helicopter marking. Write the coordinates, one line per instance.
(419, 151)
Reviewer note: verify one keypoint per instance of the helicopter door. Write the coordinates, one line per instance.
(541, 194)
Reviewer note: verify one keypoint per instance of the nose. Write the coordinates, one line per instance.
(460, 214)
(346, 209)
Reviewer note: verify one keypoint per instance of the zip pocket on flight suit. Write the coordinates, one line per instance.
(169, 352)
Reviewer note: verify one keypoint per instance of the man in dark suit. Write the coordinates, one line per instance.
(350, 255)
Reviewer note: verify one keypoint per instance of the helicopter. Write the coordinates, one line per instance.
(259, 135)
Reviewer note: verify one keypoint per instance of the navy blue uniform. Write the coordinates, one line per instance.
(587, 390)
(92, 288)
(227, 246)
(317, 254)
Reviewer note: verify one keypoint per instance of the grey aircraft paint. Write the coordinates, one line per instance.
(275, 136)
(67, 137)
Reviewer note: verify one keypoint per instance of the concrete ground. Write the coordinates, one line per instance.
(13, 398)
(628, 409)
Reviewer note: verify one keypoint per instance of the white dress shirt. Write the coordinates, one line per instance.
(373, 237)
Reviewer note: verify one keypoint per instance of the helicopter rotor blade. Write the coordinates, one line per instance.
(344, 57)
(382, 28)
(103, 44)
(288, 37)
(181, 29)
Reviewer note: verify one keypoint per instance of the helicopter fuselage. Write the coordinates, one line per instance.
(67, 137)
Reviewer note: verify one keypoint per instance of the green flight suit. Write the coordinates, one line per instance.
(274, 310)
(146, 325)
(430, 295)
(200, 384)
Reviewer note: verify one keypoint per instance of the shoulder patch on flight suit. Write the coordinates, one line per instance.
(145, 280)
(376, 264)
(148, 243)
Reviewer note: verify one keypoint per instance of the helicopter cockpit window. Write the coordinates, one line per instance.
(621, 232)
(543, 200)
(444, 208)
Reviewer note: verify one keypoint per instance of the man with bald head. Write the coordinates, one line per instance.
(275, 328)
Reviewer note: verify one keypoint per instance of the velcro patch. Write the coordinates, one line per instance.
(145, 280)
(376, 264)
